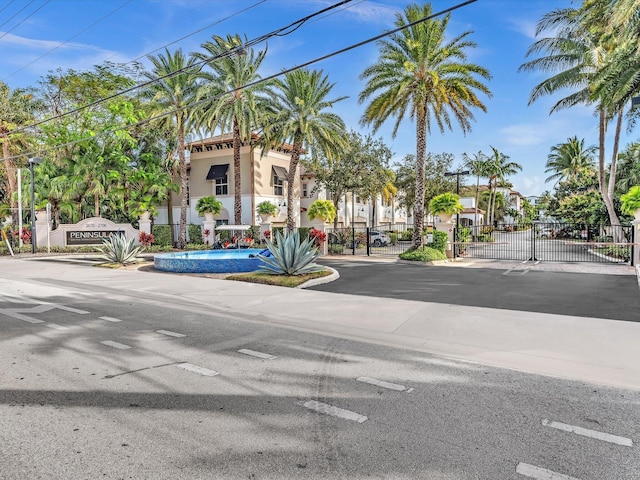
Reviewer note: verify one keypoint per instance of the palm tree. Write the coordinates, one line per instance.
(239, 108)
(422, 74)
(171, 95)
(587, 59)
(567, 160)
(299, 115)
(499, 168)
(478, 166)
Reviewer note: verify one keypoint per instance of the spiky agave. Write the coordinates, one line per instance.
(117, 249)
(290, 256)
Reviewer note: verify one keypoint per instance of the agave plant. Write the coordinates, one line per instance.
(290, 256)
(117, 249)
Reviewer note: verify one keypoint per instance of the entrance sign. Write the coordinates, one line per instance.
(90, 231)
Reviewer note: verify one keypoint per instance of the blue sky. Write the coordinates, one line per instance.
(48, 34)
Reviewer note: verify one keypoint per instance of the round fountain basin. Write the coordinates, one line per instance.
(209, 261)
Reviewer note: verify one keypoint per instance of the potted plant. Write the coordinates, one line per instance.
(445, 205)
(208, 206)
(631, 202)
(266, 209)
(323, 210)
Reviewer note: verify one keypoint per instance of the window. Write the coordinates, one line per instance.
(222, 222)
(222, 185)
(305, 190)
(278, 186)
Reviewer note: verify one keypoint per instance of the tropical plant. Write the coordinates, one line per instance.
(236, 106)
(117, 249)
(423, 254)
(299, 115)
(208, 204)
(266, 208)
(448, 203)
(290, 256)
(173, 87)
(498, 168)
(478, 166)
(631, 200)
(567, 160)
(322, 209)
(422, 74)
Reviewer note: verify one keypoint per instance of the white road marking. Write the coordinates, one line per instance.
(334, 411)
(42, 307)
(538, 473)
(110, 319)
(171, 334)
(19, 316)
(253, 353)
(383, 384)
(56, 327)
(201, 370)
(121, 346)
(605, 437)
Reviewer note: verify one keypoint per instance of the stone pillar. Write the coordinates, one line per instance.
(447, 227)
(209, 225)
(636, 248)
(42, 228)
(324, 246)
(266, 227)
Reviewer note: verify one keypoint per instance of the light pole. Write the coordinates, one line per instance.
(33, 161)
(457, 175)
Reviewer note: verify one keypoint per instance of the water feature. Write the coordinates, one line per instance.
(209, 261)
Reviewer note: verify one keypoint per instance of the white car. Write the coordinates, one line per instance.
(378, 239)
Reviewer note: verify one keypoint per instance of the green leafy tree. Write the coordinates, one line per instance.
(422, 74)
(566, 160)
(499, 168)
(299, 114)
(478, 165)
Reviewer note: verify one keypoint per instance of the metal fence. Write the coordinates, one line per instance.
(555, 242)
(382, 240)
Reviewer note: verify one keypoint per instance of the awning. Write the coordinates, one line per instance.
(233, 227)
(217, 171)
(280, 172)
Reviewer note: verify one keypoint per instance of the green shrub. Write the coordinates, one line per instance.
(117, 249)
(336, 249)
(425, 254)
(196, 246)
(439, 241)
(161, 235)
(254, 232)
(195, 234)
(406, 235)
(393, 237)
(304, 232)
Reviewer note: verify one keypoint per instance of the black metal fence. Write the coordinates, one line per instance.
(383, 240)
(555, 242)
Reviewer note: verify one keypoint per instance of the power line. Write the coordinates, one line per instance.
(7, 5)
(69, 39)
(235, 50)
(257, 82)
(24, 19)
(15, 14)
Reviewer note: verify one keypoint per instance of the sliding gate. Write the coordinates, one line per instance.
(554, 242)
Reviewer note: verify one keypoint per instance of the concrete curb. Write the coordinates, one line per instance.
(319, 281)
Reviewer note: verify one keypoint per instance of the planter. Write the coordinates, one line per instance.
(208, 216)
(636, 214)
(265, 217)
(146, 215)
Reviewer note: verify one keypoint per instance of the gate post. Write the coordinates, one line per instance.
(635, 236)
(533, 243)
(368, 240)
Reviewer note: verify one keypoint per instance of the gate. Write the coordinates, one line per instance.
(554, 242)
(382, 240)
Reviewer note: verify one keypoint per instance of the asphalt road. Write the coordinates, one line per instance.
(615, 297)
(98, 385)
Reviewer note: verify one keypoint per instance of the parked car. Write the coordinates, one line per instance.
(378, 239)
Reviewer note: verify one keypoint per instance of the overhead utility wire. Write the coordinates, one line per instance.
(257, 82)
(24, 19)
(235, 50)
(6, 5)
(196, 31)
(15, 14)
(68, 40)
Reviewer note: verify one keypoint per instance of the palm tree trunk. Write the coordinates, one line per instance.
(605, 190)
(182, 162)
(96, 205)
(475, 214)
(10, 169)
(291, 178)
(421, 149)
(237, 194)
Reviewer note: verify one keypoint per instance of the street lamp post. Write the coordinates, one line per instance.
(33, 161)
(457, 175)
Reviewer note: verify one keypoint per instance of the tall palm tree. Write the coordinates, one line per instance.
(499, 168)
(172, 95)
(423, 75)
(299, 114)
(568, 159)
(478, 166)
(584, 57)
(239, 108)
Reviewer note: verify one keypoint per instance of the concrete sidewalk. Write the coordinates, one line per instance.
(586, 349)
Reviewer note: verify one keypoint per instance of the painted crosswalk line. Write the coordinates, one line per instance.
(334, 411)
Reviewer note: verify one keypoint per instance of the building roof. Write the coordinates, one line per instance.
(221, 142)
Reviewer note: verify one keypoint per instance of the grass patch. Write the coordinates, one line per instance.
(279, 280)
